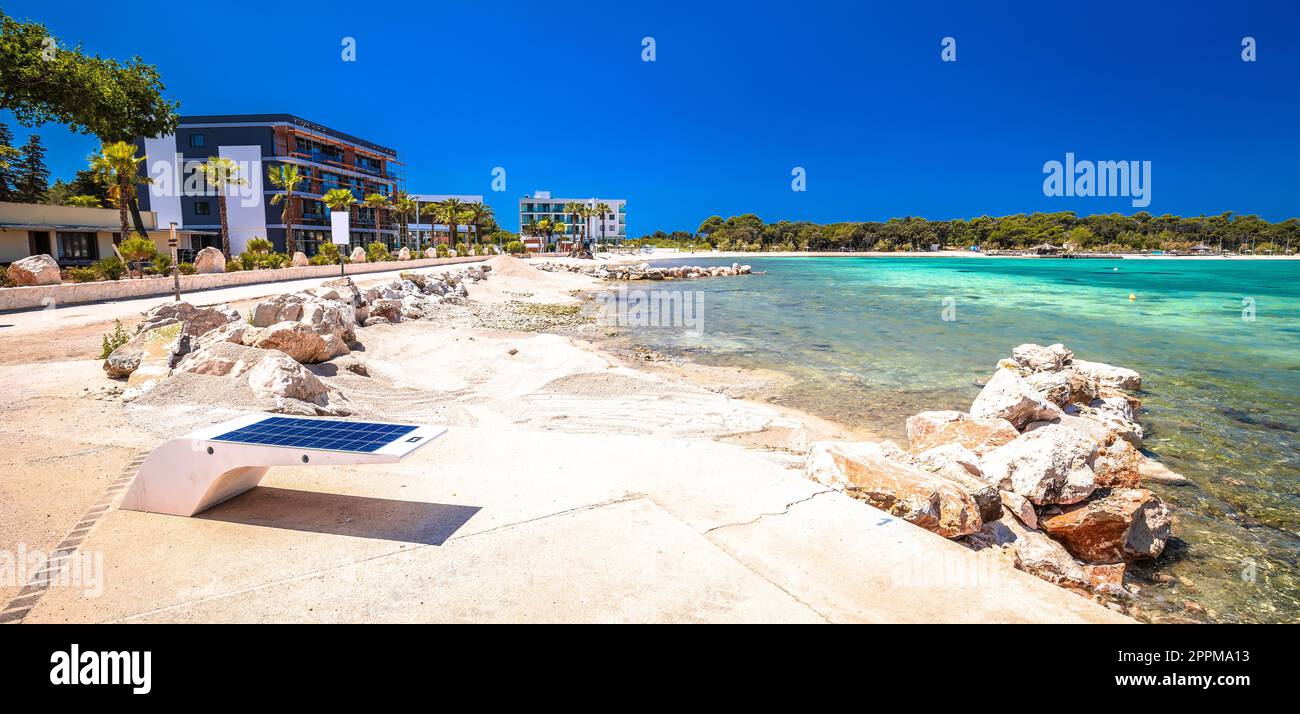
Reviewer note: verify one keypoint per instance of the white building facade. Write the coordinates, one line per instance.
(609, 227)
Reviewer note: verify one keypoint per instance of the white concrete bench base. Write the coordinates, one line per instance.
(193, 473)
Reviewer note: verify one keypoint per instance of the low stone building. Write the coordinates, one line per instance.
(73, 235)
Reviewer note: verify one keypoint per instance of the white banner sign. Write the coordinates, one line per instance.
(339, 227)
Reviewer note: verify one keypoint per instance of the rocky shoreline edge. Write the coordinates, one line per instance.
(1044, 470)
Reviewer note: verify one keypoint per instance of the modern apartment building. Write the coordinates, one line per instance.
(610, 227)
(326, 158)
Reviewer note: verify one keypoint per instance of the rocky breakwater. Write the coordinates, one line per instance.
(644, 271)
(1044, 469)
(267, 350)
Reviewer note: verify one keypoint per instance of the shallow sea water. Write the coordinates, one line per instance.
(1217, 342)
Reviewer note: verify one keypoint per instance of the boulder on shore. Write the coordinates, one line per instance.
(1107, 375)
(1036, 358)
(1047, 465)
(158, 345)
(867, 471)
(961, 466)
(936, 428)
(295, 339)
(1125, 524)
(1032, 552)
(1118, 465)
(209, 260)
(34, 270)
(277, 375)
(1009, 396)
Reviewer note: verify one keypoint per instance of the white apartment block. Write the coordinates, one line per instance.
(608, 228)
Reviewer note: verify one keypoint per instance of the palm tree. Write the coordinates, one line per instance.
(221, 173)
(574, 209)
(602, 210)
(478, 214)
(450, 212)
(375, 202)
(116, 165)
(544, 228)
(403, 208)
(285, 177)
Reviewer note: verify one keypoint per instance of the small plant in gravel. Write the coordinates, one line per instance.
(113, 340)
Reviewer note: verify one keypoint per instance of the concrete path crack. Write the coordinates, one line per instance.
(781, 512)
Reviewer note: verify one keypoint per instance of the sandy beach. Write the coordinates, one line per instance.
(574, 484)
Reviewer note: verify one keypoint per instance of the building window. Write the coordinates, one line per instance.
(196, 141)
(202, 208)
(78, 246)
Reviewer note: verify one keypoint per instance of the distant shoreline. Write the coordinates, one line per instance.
(936, 254)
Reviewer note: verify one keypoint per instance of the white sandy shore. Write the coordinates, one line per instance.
(570, 487)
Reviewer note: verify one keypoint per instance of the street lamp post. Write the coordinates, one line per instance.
(176, 266)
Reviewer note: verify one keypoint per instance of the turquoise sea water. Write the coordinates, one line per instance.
(866, 342)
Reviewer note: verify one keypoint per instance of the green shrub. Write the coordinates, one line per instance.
(109, 268)
(162, 264)
(113, 340)
(245, 260)
(441, 251)
(273, 260)
(234, 265)
(83, 275)
(377, 253)
(515, 246)
(188, 269)
(259, 245)
(462, 249)
(137, 249)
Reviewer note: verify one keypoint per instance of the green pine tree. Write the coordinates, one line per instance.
(8, 156)
(33, 178)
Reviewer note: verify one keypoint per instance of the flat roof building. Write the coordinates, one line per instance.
(609, 227)
(73, 235)
(327, 159)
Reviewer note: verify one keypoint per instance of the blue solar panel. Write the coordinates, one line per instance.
(324, 434)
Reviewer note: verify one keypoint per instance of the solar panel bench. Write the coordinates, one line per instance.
(203, 468)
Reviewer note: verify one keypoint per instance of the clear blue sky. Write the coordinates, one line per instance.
(556, 93)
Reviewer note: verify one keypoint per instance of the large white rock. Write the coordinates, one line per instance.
(277, 375)
(34, 270)
(1109, 375)
(279, 308)
(209, 260)
(159, 346)
(404, 253)
(1008, 396)
(1036, 358)
(1051, 464)
(300, 260)
(221, 359)
(195, 321)
(872, 472)
(295, 339)
(358, 256)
